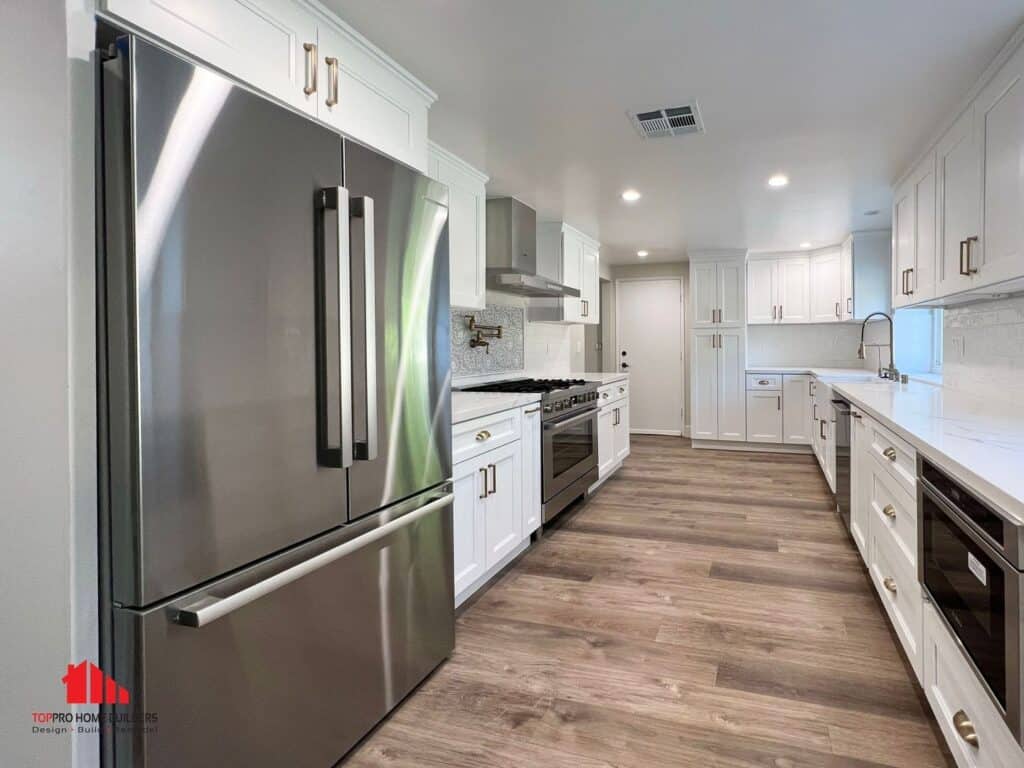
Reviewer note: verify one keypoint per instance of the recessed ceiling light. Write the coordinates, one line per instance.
(642, 254)
(805, 244)
(630, 195)
(778, 180)
(872, 212)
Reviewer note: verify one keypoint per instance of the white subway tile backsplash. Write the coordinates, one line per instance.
(832, 345)
(983, 348)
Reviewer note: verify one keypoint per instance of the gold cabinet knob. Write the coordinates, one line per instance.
(890, 453)
(889, 511)
(965, 728)
(482, 435)
(889, 583)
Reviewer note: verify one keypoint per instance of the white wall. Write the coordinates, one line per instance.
(35, 388)
(983, 349)
(826, 344)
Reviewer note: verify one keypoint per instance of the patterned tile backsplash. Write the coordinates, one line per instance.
(983, 348)
(504, 354)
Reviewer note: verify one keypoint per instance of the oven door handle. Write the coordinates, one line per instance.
(558, 425)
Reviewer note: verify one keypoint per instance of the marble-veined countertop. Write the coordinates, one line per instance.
(979, 441)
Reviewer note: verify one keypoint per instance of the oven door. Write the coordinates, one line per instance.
(977, 594)
(570, 450)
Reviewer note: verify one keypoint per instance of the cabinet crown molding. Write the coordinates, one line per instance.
(457, 161)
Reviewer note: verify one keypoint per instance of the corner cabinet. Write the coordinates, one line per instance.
(574, 259)
(467, 226)
(300, 54)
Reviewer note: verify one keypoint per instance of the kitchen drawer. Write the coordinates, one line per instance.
(897, 585)
(953, 690)
(609, 393)
(772, 381)
(895, 454)
(471, 438)
(894, 512)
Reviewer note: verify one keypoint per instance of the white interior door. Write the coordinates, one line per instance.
(649, 338)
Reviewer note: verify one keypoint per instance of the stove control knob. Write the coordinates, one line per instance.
(558, 405)
(547, 409)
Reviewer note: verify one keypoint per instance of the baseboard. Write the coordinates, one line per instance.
(728, 445)
(665, 432)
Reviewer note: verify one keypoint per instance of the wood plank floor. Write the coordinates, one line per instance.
(702, 609)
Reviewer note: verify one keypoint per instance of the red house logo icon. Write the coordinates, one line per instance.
(102, 688)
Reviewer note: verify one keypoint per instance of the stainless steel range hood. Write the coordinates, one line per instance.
(512, 252)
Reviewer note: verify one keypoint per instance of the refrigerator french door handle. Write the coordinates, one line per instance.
(210, 608)
(362, 208)
(337, 199)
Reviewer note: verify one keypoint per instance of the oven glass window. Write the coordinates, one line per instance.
(969, 588)
(571, 445)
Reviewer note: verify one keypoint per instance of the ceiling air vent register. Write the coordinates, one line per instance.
(667, 121)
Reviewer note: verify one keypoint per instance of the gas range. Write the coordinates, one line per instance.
(558, 396)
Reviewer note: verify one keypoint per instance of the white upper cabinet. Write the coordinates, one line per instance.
(762, 291)
(467, 226)
(914, 232)
(846, 271)
(969, 242)
(826, 287)
(959, 195)
(301, 55)
(718, 289)
(572, 258)
(999, 118)
(778, 289)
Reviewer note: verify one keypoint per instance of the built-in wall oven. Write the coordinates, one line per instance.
(970, 564)
(569, 448)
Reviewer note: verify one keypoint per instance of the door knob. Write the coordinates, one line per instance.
(625, 365)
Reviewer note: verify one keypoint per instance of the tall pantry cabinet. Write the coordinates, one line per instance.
(718, 346)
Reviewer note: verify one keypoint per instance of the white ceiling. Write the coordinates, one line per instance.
(840, 96)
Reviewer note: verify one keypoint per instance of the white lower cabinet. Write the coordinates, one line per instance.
(532, 512)
(960, 703)
(468, 515)
(897, 586)
(503, 526)
(796, 409)
(612, 427)
(621, 427)
(860, 518)
(497, 494)
(764, 417)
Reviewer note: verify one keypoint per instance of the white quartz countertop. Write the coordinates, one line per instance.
(819, 371)
(978, 441)
(472, 405)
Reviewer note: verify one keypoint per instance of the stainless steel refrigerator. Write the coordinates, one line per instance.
(276, 546)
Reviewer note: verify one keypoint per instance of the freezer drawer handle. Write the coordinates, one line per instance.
(335, 199)
(362, 208)
(211, 608)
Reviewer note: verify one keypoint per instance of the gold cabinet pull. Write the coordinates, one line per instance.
(482, 435)
(533, 410)
(494, 479)
(889, 583)
(332, 80)
(890, 453)
(889, 511)
(484, 483)
(965, 728)
(310, 87)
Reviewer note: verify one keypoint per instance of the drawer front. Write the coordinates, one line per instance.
(896, 455)
(471, 438)
(955, 695)
(897, 585)
(609, 393)
(772, 381)
(894, 512)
